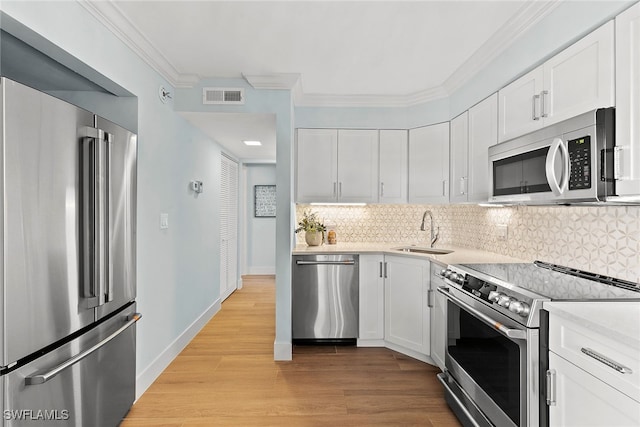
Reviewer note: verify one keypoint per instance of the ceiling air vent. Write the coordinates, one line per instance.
(223, 96)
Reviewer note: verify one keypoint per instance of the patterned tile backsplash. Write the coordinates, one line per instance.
(602, 239)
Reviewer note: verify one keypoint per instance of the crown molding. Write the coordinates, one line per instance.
(527, 16)
(111, 16)
(278, 81)
(320, 100)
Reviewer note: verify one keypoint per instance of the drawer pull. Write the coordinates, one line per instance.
(603, 359)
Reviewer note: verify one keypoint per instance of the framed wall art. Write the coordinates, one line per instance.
(264, 201)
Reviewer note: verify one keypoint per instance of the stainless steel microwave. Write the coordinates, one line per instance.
(569, 162)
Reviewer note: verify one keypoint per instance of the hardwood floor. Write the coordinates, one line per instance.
(227, 376)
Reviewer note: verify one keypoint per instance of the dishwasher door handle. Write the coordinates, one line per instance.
(347, 262)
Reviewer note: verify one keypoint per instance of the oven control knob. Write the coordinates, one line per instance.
(505, 301)
(520, 308)
(494, 296)
(445, 273)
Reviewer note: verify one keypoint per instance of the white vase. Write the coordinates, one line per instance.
(313, 238)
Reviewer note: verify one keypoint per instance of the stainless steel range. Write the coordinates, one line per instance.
(493, 334)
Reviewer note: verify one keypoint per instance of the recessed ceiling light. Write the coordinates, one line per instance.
(253, 143)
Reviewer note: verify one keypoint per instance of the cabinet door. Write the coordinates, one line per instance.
(581, 77)
(438, 317)
(429, 164)
(628, 101)
(459, 163)
(316, 166)
(519, 106)
(394, 166)
(583, 400)
(358, 166)
(406, 303)
(371, 323)
(483, 133)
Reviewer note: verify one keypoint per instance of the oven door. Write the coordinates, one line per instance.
(488, 357)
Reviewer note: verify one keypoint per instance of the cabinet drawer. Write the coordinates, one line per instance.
(571, 340)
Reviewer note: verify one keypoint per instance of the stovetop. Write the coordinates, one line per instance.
(519, 290)
(549, 281)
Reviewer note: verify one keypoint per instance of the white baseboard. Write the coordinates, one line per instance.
(262, 270)
(160, 363)
(370, 343)
(282, 350)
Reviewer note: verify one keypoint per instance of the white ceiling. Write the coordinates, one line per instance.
(382, 51)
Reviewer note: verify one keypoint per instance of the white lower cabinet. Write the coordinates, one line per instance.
(371, 300)
(583, 400)
(593, 379)
(438, 304)
(407, 311)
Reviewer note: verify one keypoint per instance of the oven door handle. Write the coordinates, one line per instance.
(516, 334)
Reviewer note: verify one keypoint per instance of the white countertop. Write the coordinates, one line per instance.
(460, 255)
(619, 320)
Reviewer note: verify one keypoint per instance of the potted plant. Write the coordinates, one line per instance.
(313, 228)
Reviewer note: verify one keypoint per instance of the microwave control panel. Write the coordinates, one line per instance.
(580, 160)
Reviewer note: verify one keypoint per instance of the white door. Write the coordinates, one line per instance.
(583, 400)
(371, 321)
(459, 162)
(228, 227)
(317, 165)
(407, 313)
(483, 133)
(394, 166)
(358, 166)
(581, 77)
(519, 106)
(628, 101)
(429, 164)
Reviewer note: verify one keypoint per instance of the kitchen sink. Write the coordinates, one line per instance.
(422, 250)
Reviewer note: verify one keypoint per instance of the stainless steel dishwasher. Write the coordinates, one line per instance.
(325, 298)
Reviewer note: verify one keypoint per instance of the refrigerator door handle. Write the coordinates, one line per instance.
(43, 378)
(96, 196)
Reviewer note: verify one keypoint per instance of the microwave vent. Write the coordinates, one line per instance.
(223, 96)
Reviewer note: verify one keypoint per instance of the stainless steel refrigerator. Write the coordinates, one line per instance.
(68, 269)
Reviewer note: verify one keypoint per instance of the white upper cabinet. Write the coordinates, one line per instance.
(578, 79)
(483, 133)
(459, 162)
(429, 164)
(337, 166)
(358, 166)
(519, 102)
(317, 165)
(394, 164)
(628, 102)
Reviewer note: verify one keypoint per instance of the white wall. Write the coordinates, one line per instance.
(178, 268)
(260, 253)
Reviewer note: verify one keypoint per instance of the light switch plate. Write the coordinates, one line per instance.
(164, 221)
(502, 231)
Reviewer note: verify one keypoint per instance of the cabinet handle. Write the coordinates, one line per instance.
(543, 103)
(604, 359)
(382, 189)
(551, 387)
(430, 298)
(380, 268)
(385, 269)
(335, 184)
(339, 189)
(535, 104)
(444, 187)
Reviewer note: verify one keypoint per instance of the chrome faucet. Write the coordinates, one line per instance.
(434, 239)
